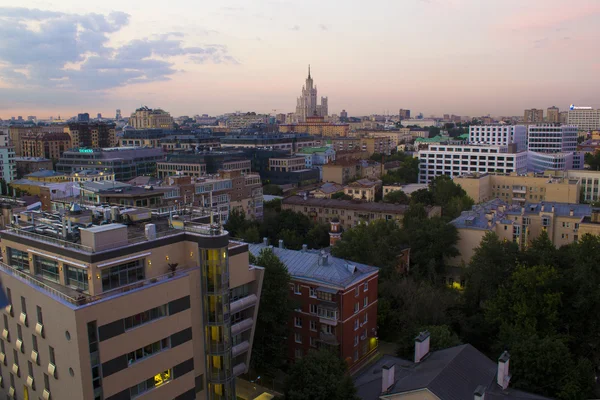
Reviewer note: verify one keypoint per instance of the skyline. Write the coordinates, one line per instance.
(461, 57)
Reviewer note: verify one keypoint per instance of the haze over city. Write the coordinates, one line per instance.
(433, 56)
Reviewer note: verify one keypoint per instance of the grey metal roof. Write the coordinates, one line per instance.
(308, 265)
(450, 374)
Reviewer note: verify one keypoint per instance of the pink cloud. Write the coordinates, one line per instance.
(541, 18)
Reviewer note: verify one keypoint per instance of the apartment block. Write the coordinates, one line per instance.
(585, 120)
(343, 171)
(460, 159)
(158, 310)
(364, 189)
(519, 224)
(46, 145)
(520, 188)
(92, 135)
(589, 182)
(553, 147)
(369, 145)
(147, 118)
(337, 304)
(17, 131)
(27, 165)
(350, 213)
(287, 164)
(533, 116)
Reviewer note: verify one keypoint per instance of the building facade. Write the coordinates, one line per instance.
(17, 131)
(45, 145)
(553, 115)
(102, 313)
(460, 159)
(316, 125)
(337, 305)
(364, 189)
(519, 188)
(585, 120)
(8, 166)
(287, 164)
(307, 105)
(27, 165)
(92, 135)
(147, 118)
(553, 147)
(533, 116)
(348, 212)
(501, 135)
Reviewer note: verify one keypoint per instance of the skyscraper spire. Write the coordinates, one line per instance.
(308, 71)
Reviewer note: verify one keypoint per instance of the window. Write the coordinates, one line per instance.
(297, 337)
(52, 355)
(297, 289)
(16, 361)
(312, 292)
(46, 268)
(6, 324)
(20, 337)
(148, 350)
(366, 286)
(356, 340)
(46, 382)
(356, 291)
(18, 259)
(298, 322)
(146, 316)
(313, 308)
(40, 317)
(356, 307)
(23, 305)
(30, 370)
(325, 296)
(356, 324)
(9, 297)
(123, 274)
(366, 319)
(366, 302)
(76, 277)
(298, 354)
(313, 326)
(313, 342)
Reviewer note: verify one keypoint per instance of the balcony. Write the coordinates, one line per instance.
(240, 348)
(239, 369)
(519, 189)
(521, 199)
(241, 326)
(243, 303)
(328, 338)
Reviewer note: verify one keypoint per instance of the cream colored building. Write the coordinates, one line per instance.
(287, 164)
(363, 189)
(589, 182)
(160, 310)
(518, 188)
(519, 224)
(147, 118)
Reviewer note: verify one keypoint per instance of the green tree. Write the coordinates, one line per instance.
(434, 131)
(321, 375)
(541, 251)
(291, 239)
(422, 196)
(273, 190)
(276, 306)
(318, 236)
(236, 223)
(341, 196)
(250, 234)
(397, 196)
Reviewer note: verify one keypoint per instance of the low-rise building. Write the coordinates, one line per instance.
(47, 176)
(27, 165)
(337, 304)
(143, 137)
(408, 188)
(91, 175)
(316, 125)
(519, 224)
(190, 142)
(520, 188)
(287, 164)
(589, 182)
(349, 212)
(317, 156)
(288, 142)
(345, 171)
(326, 190)
(369, 145)
(364, 189)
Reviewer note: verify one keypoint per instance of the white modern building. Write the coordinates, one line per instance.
(421, 123)
(460, 159)
(553, 147)
(501, 135)
(8, 166)
(584, 119)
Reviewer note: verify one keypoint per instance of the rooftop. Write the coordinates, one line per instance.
(310, 265)
(313, 150)
(44, 173)
(365, 183)
(330, 187)
(387, 208)
(482, 216)
(30, 159)
(450, 374)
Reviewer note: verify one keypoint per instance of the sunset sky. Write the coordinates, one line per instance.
(465, 57)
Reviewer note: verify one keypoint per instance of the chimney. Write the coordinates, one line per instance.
(324, 257)
(571, 212)
(503, 377)
(479, 393)
(266, 241)
(150, 231)
(281, 243)
(387, 377)
(421, 346)
(304, 248)
(552, 207)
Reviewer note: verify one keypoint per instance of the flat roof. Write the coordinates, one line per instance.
(104, 228)
(388, 208)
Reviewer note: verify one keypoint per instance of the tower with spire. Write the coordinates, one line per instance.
(307, 104)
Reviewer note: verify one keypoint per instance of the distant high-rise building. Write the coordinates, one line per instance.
(553, 115)
(147, 118)
(118, 115)
(586, 119)
(404, 114)
(99, 116)
(563, 117)
(84, 117)
(533, 116)
(307, 105)
(20, 118)
(32, 118)
(343, 115)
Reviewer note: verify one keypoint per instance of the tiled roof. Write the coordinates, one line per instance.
(330, 187)
(308, 265)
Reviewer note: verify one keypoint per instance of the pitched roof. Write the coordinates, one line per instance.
(308, 265)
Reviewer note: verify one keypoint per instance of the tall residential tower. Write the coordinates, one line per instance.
(307, 105)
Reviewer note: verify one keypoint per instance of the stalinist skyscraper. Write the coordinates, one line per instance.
(307, 105)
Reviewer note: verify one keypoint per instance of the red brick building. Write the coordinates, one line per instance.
(337, 304)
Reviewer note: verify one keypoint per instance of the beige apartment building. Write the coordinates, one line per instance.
(350, 213)
(589, 181)
(565, 223)
(147, 118)
(363, 189)
(161, 309)
(520, 188)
